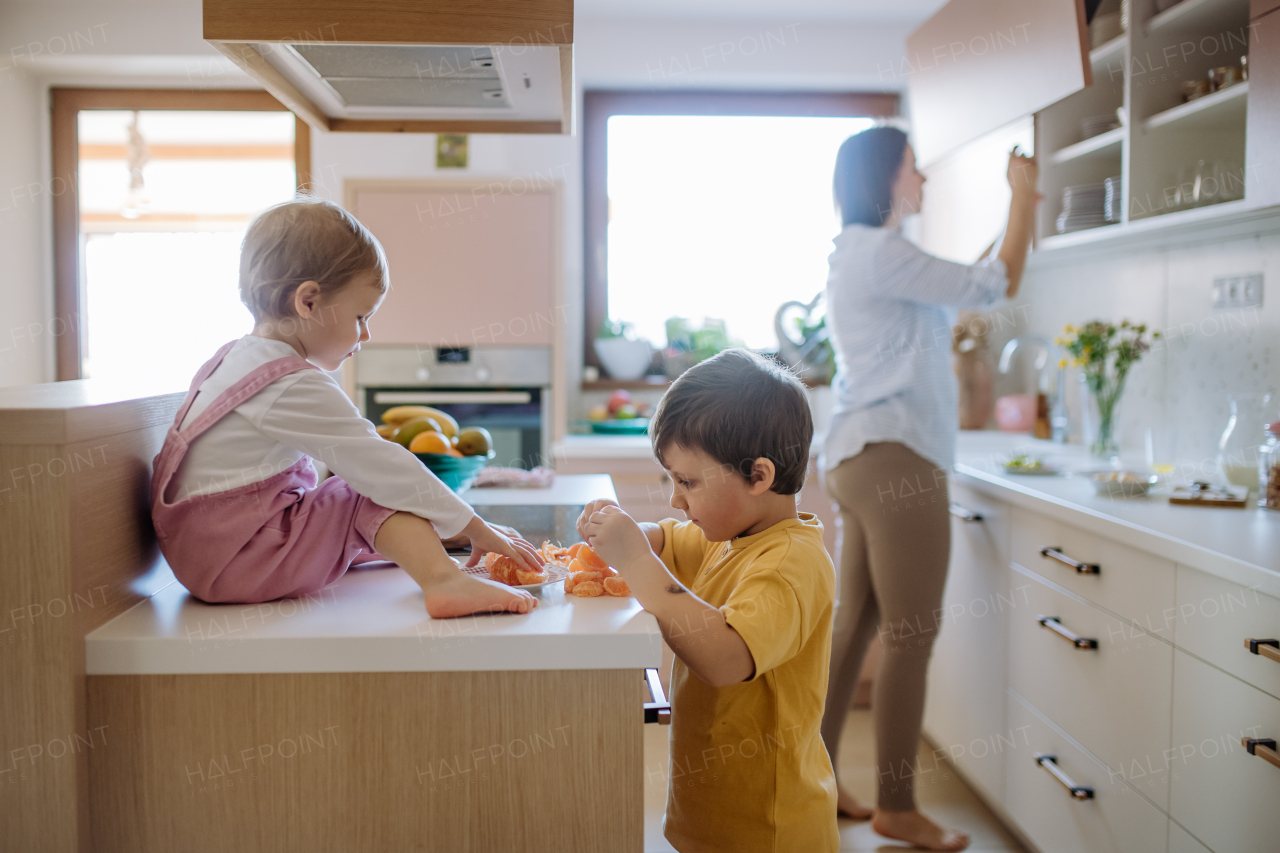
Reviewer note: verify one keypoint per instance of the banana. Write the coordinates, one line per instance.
(400, 414)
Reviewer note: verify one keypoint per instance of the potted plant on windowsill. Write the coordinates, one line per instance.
(624, 357)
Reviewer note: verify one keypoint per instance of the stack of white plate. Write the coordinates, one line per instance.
(1083, 207)
(1097, 125)
(1111, 205)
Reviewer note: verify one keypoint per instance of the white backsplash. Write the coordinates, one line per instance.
(1205, 354)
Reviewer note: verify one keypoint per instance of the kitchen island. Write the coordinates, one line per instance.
(352, 720)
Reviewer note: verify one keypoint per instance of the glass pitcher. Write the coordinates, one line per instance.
(1238, 447)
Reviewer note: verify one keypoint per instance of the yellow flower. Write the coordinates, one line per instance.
(1062, 363)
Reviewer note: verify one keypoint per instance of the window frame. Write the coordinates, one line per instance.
(600, 105)
(65, 107)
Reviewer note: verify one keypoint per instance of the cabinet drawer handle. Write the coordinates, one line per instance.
(1082, 568)
(1050, 763)
(658, 710)
(1054, 625)
(965, 514)
(1264, 748)
(1266, 648)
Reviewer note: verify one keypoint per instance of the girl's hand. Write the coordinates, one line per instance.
(484, 537)
(1024, 172)
(615, 536)
(594, 506)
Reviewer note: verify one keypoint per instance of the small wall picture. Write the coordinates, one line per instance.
(451, 151)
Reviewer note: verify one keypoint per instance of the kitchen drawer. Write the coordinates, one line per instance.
(1131, 583)
(1113, 699)
(1181, 841)
(1115, 820)
(1223, 795)
(1214, 617)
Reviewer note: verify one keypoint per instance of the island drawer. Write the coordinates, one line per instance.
(1215, 617)
(1113, 698)
(1221, 793)
(1115, 819)
(1129, 582)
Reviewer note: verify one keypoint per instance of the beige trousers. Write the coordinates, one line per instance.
(894, 543)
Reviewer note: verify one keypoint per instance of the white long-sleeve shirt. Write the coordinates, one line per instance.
(890, 312)
(303, 414)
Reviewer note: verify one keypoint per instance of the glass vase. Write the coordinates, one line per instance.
(1100, 416)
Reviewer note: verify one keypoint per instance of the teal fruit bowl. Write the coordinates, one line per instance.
(456, 472)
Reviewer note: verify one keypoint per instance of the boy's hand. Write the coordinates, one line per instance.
(594, 506)
(614, 535)
(484, 537)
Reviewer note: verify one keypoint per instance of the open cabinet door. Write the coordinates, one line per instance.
(978, 65)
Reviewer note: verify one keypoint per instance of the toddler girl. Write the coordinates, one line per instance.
(234, 496)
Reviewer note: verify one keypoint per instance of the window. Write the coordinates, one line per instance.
(147, 260)
(707, 205)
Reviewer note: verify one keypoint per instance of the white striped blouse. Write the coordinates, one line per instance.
(890, 312)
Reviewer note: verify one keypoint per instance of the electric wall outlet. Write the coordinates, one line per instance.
(1238, 291)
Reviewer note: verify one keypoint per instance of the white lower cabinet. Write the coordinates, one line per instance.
(1226, 797)
(1112, 698)
(1214, 617)
(1113, 818)
(964, 711)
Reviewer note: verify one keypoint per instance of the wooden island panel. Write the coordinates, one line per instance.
(441, 761)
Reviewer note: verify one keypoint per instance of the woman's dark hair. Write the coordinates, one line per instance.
(866, 167)
(737, 407)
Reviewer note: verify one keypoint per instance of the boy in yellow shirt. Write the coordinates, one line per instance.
(743, 592)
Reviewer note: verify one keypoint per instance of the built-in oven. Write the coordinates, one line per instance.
(506, 390)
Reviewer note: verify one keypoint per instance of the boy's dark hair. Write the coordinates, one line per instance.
(737, 407)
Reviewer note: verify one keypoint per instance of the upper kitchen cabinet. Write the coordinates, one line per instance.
(466, 66)
(978, 65)
(1179, 132)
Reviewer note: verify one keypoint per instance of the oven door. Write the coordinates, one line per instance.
(515, 417)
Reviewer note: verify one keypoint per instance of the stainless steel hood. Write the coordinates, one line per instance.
(390, 66)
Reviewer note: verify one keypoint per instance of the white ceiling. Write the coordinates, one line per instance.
(913, 11)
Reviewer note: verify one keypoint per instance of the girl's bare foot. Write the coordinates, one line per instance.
(917, 829)
(456, 594)
(848, 806)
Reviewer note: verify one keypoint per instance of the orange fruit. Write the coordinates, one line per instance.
(429, 442)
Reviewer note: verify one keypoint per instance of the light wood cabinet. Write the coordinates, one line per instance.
(964, 708)
(978, 65)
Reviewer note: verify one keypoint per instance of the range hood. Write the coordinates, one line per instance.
(503, 66)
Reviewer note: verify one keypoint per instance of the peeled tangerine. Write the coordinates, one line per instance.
(506, 570)
(590, 576)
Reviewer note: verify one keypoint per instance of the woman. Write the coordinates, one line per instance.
(890, 308)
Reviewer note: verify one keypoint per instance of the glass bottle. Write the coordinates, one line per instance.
(1269, 468)
(1237, 449)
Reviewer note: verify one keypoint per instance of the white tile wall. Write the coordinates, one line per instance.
(1206, 353)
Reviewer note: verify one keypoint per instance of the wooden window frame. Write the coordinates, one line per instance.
(65, 106)
(600, 105)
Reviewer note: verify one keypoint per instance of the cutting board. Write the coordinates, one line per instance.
(1236, 498)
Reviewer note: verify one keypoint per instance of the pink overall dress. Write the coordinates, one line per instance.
(277, 538)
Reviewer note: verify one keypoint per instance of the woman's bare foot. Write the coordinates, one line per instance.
(456, 594)
(917, 829)
(848, 806)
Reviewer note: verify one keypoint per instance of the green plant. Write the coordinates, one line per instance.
(701, 343)
(1105, 352)
(610, 329)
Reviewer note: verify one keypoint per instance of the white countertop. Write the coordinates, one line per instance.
(603, 447)
(1241, 545)
(372, 620)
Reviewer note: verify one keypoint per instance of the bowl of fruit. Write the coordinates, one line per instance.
(620, 416)
(454, 454)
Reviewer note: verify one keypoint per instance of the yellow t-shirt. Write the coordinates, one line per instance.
(748, 769)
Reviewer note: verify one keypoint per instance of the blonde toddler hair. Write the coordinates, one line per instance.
(307, 239)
